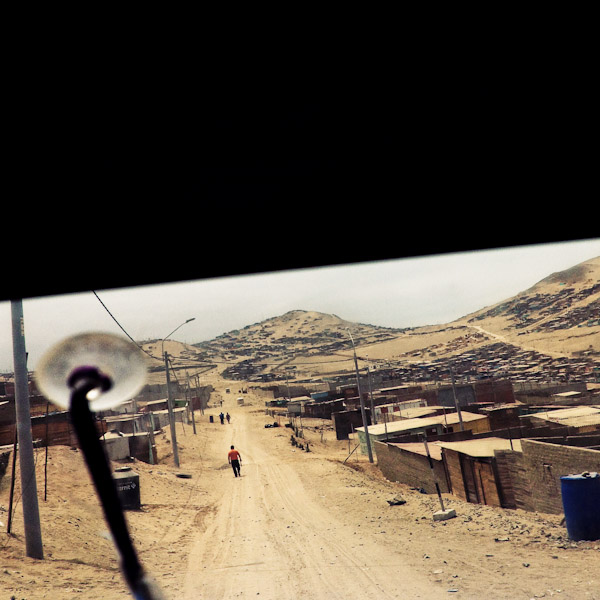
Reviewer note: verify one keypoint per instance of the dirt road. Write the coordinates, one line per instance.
(270, 537)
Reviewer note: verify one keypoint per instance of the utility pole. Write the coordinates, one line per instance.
(191, 403)
(31, 514)
(169, 397)
(198, 394)
(171, 416)
(462, 427)
(362, 402)
(373, 417)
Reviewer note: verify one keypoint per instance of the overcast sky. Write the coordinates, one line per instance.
(395, 293)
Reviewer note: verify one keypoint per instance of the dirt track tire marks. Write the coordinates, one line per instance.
(270, 536)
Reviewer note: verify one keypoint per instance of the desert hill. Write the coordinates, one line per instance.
(558, 317)
(297, 331)
(271, 345)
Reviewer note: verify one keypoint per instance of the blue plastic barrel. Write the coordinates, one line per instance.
(581, 502)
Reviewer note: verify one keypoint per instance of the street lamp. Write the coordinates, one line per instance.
(169, 397)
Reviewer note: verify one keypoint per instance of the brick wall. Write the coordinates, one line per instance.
(536, 475)
(410, 468)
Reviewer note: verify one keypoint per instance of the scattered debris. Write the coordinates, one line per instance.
(396, 501)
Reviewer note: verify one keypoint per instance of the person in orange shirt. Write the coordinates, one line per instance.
(235, 460)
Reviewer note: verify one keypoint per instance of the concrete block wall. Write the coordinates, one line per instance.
(537, 474)
(410, 468)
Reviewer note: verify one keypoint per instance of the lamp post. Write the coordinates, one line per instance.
(169, 397)
(362, 402)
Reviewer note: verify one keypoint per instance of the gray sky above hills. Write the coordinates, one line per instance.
(394, 293)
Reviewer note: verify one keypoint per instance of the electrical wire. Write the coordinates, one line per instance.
(224, 362)
(122, 328)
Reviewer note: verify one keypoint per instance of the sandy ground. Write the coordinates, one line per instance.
(295, 525)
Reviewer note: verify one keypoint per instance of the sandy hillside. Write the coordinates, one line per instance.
(296, 525)
(543, 303)
(559, 316)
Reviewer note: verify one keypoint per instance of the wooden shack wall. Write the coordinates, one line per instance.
(472, 479)
(506, 461)
(52, 430)
(485, 480)
(453, 468)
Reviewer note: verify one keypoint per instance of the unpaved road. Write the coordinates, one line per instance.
(271, 538)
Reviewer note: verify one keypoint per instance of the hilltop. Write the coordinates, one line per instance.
(558, 317)
(297, 332)
(271, 347)
(272, 344)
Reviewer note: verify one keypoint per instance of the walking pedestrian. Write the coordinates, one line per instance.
(228, 417)
(222, 417)
(235, 460)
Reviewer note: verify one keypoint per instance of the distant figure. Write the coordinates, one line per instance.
(228, 418)
(235, 460)
(222, 417)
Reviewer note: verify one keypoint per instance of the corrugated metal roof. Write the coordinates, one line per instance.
(419, 448)
(571, 416)
(408, 424)
(483, 447)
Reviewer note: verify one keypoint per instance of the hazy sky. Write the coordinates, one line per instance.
(394, 293)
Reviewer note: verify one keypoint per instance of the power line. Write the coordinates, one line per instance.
(122, 328)
(208, 361)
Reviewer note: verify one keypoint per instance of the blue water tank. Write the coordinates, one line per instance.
(581, 502)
